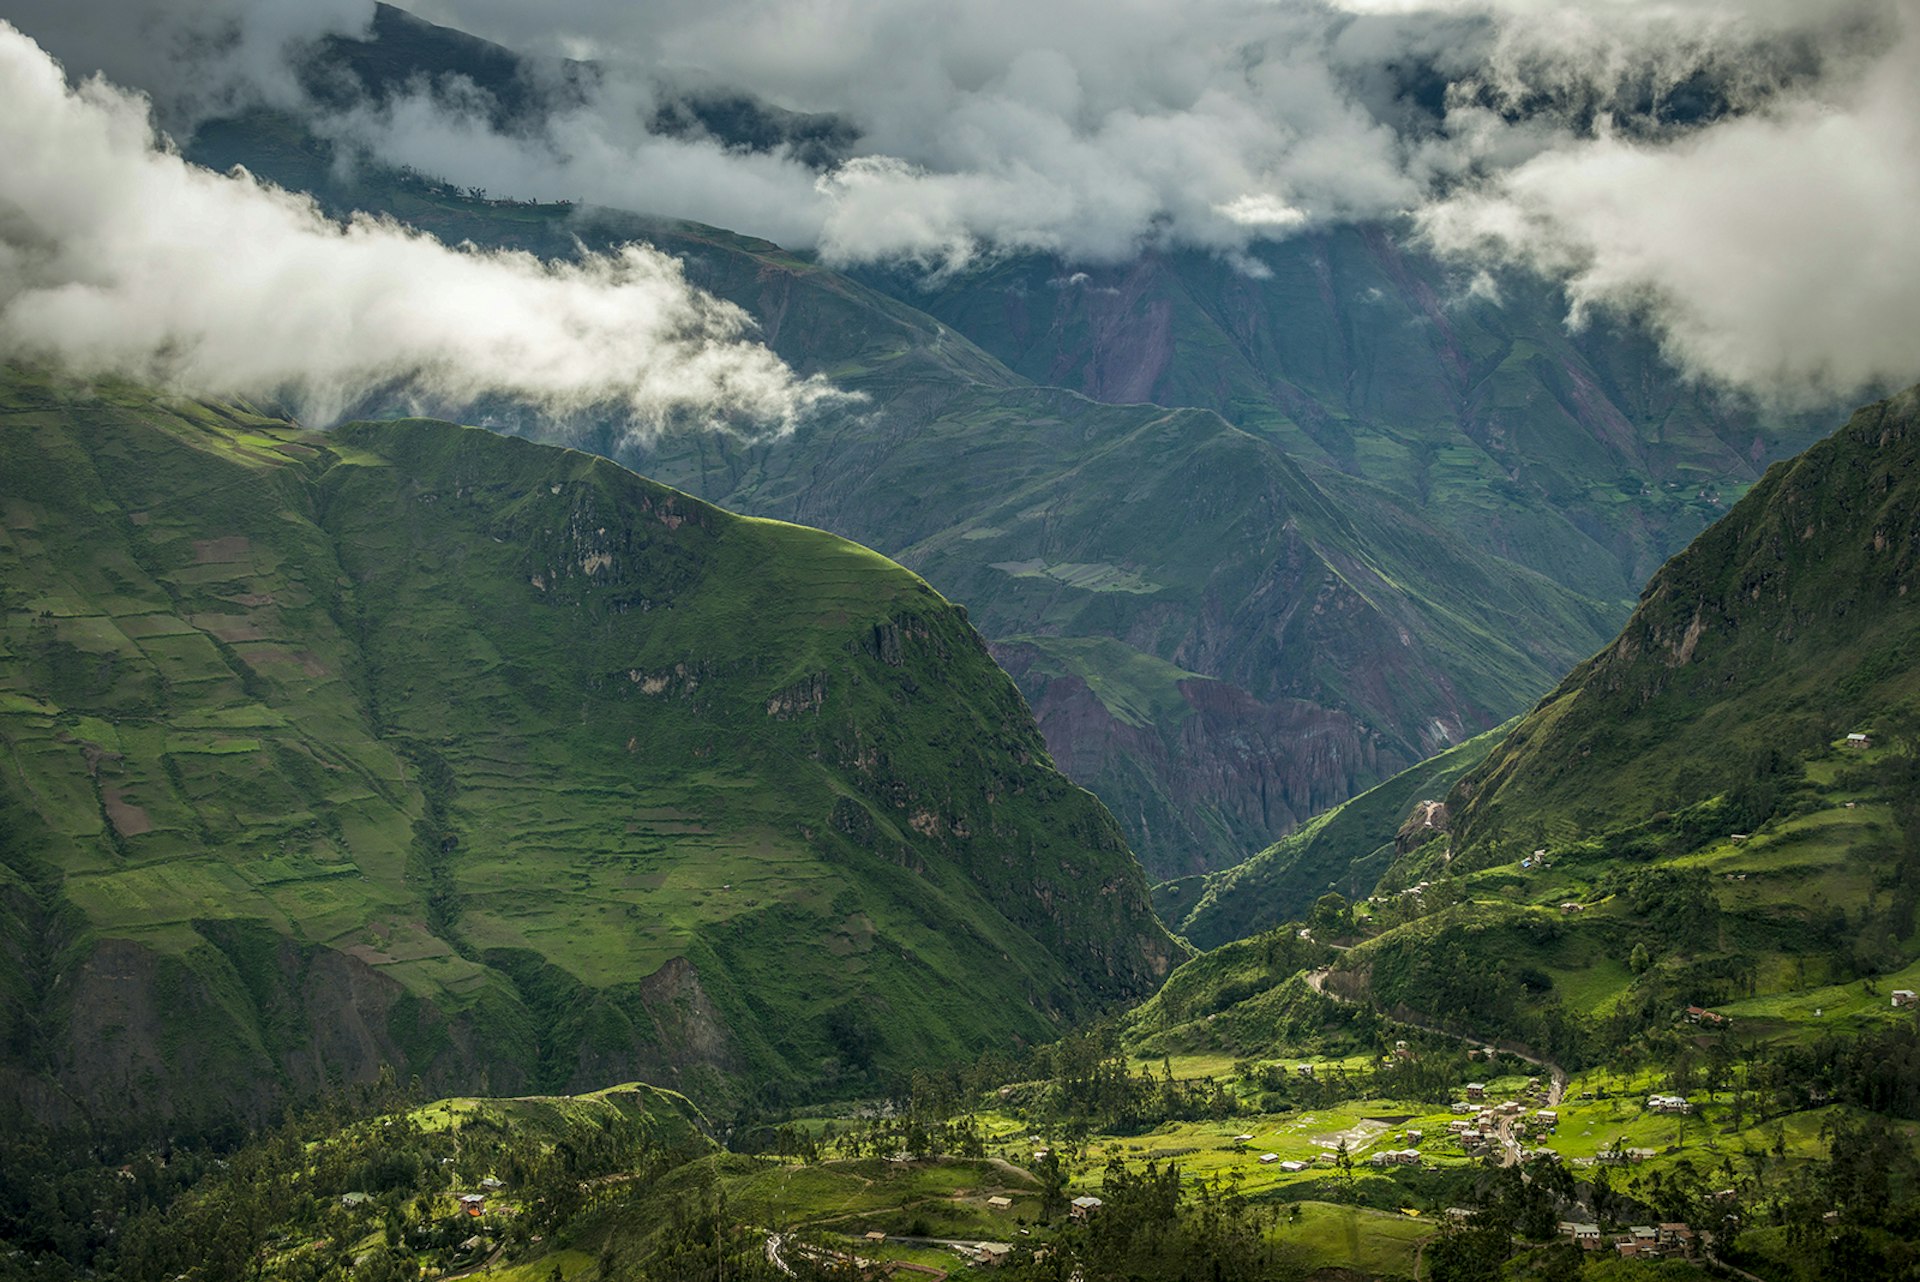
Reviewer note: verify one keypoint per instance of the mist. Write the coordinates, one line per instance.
(118, 257)
(1731, 170)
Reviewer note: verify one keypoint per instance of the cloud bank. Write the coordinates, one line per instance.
(116, 256)
(1734, 169)
(1778, 251)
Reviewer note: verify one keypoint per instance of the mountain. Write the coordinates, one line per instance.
(415, 744)
(1439, 498)
(1688, 821)
(1783, 628)
(1344, 850)
(1580, 454)
(1291, 638)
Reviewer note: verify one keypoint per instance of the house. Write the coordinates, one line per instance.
(1000, 1203)
(1415, 1134)
(1572, 906)
(354, 1199)
(991, 1254)
(1673, 1105)
(1904, 997)
(473, 1244)
(1268, 1159)
(1739, 838)
(1676, 1237)
(1305, 1070)
(1293, 1166)
(1476, 1090)
(1243, 1139)
(1701, 1015)
(472, 1203)
(1547, 1117)
(1464, 1107)
(1857, 740)
(1584, 1236)
(490, 1184)
(876, 1237)
(1085, 1206)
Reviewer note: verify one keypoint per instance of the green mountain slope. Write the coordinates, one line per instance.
(418, 744)
(1581, 455)
(1345, 850)
(1306, 641)
(1784, 627)
(1694, 783)
(1685, 822)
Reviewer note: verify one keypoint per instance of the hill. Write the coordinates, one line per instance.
(416, 744)
(1344, 850)
(1305, 636)
(1684, 823)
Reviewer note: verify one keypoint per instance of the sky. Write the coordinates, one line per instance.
(1740, 174)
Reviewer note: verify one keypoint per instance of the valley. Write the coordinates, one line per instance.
(751, 643)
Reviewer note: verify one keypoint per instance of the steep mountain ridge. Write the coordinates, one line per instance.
(1788, 624)
(1714, 823)
(417, 744)
(1330, 636)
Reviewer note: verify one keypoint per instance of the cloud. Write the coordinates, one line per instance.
(194, 57)
(117, 256)
(1777, 251)
(1683, 157)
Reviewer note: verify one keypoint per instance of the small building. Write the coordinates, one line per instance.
(876, 1237)
(1243, 1139)
(991, 1254)
(1572, 906)
(1268, 1159)
(1305, 1070)
(1476, 1090)
(1085, 1206)
(1701, 1015)
(1293, 1166)
(1547, 1117)
(1415, 1134)
(473, 1203)
(1858, 740)
(354, 1199)
(1585, 1236)
(1672, 1105)
(491, 1184)
(1905, 997)
(1000, 1202)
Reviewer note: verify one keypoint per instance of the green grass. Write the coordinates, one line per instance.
(573, 758)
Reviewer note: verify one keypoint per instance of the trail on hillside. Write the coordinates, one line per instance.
(1557, 1076)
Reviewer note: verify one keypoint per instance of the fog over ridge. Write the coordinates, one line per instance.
(1731, 169)
(116, 256)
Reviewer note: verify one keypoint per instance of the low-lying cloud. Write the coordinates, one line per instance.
(1778, 251)
(116, 256)
(1735, 169)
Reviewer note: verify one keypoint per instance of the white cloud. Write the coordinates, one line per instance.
(1778, 251)
(1686, 156)
(117, 256)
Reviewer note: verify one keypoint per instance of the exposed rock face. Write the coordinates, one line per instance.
(1428, 820)
(1199, 791)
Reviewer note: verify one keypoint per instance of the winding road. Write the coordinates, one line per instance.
(1556, 1075)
